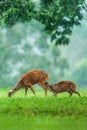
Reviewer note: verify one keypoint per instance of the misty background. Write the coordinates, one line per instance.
(25, 46)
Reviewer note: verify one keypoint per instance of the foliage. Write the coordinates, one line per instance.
(58, 17)
(13, 11)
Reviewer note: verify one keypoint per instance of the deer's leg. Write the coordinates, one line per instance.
(44, 87)
(32, 89)
(77, 93)
(70, 93)
(26, 89)
(42, 83)
(54, 95)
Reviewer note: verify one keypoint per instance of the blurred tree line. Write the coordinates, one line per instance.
(26, 46)
(34, 51)
(76, 52)
(29, 45)
(80, 74)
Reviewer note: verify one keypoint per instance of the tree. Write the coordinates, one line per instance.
(57, 16)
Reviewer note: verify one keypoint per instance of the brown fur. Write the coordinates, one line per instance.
(63, 86)
(35, 76)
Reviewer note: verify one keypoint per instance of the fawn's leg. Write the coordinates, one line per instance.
(70, 93)
(55, 94)
(77, 93)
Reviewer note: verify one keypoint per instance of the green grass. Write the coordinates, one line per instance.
(43, 113)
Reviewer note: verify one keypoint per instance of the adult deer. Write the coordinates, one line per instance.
(35, 76)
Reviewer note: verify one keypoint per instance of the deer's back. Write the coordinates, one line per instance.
(34, 76)
(64, 86)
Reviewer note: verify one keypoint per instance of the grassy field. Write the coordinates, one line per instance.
(43, 113)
